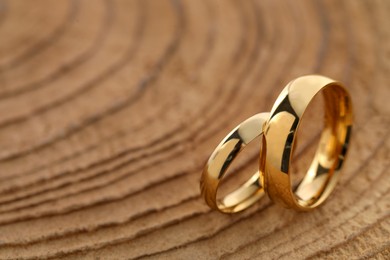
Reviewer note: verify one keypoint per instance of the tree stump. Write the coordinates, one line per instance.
(109, 110)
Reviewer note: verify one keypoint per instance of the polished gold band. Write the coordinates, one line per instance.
(280, 127)
(221, 159)
(280, 133)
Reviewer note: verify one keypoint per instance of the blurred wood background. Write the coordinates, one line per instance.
(109, 109)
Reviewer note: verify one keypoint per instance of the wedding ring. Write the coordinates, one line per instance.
(220, 161)
(280, 135)
(278, 130)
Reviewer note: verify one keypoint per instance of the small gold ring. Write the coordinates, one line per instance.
(280, 134)
(220, 160)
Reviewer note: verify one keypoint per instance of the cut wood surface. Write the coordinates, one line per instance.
(109, 110)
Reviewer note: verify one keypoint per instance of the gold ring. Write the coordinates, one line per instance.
(280, 134)
(221, 159)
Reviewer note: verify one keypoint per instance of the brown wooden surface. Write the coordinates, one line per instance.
(109, 110)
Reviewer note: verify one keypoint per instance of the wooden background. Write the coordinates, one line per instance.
(109, 109)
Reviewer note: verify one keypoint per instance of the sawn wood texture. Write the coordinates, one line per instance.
(109, 110)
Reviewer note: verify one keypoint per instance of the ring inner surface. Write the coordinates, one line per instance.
(322, 175)
(228, 195)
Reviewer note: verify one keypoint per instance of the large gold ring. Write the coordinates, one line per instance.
(221, 159)
(280, 134)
